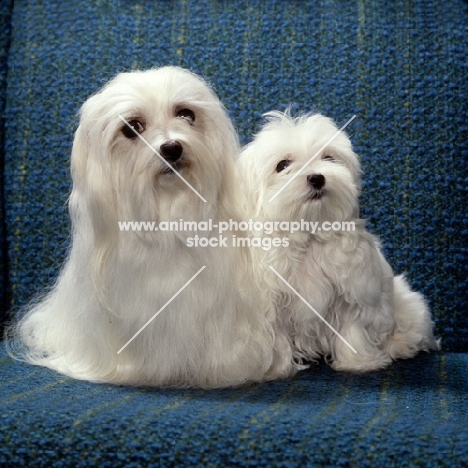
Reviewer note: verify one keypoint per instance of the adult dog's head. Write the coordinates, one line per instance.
(151, 145)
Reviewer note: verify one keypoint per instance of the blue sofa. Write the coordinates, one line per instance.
(401, 67)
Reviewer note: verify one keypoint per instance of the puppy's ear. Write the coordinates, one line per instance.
(356, 171)
(351, 159)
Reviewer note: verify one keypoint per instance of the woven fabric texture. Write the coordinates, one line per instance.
(5, 33)
(411, 415)
(400, 66)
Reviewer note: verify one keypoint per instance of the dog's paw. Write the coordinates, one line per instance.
(359, 366)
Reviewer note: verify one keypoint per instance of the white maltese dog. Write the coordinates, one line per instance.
(367, 316)
(155, 145)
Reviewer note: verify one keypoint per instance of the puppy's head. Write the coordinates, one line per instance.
(304, 167)
(137, 132)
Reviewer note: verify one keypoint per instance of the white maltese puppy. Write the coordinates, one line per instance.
(150, 145)
(369, 316)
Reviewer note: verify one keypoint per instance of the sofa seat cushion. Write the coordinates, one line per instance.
(412, 414)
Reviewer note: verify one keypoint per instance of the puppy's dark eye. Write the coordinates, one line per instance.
(328, 158)
(136, 126)
(186, 114)
(282, 165)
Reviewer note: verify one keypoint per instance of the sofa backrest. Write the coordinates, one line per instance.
(401, 70)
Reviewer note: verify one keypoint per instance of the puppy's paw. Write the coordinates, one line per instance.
(359, 366)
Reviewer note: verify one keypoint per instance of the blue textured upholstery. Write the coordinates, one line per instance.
(5, 32)
(401, 66)
(413, 414)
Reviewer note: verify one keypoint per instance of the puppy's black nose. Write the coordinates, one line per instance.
(316, 180)
(171, 150)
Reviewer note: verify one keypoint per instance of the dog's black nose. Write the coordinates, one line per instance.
(171, 150)
(316, 180)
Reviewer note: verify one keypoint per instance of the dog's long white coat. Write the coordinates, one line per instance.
(219, 330)
(343, 274)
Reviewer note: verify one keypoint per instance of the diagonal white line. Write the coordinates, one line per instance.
(312, 309)
(161, 309)
(160, 157)
(312, 158)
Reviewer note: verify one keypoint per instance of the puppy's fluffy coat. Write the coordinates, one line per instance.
(343, 274)
(218, 331)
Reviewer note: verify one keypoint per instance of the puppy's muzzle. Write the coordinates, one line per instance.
(317, 181)
(171, 151)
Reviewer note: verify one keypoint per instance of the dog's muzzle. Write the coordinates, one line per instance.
(172, 152)
(317, 182)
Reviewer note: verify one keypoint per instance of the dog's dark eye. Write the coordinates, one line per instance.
(186, 114)
(328, 158)
(282, 165)
(136, 126)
